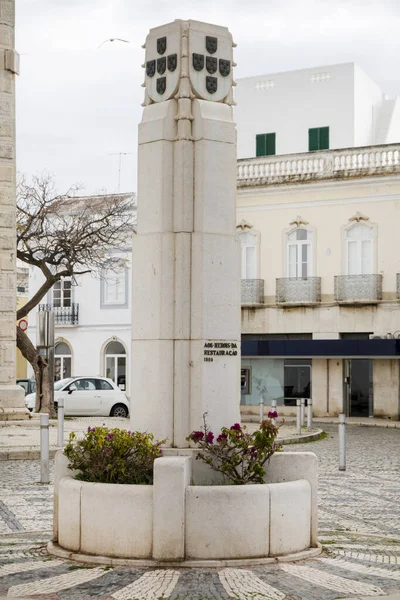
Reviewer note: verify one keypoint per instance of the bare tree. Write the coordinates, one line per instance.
(66, 236)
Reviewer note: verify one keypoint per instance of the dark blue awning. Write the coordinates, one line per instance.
(322, 348)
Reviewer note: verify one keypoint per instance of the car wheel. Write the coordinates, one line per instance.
(119, 410)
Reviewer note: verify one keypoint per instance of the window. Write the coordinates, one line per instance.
(62, 293)
(115, 364)
(62, 361)
(299, 253)
(297, 378)
(83, 385)
(265, 144)
(103, 385)
(249, 266)
(359, 250)
(114, 288)
(318, 139)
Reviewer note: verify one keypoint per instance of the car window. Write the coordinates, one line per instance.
(103, 385)
(24, 385)
(60, 383)
(83, 385)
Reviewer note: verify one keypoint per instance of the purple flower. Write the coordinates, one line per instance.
(89, 428)
(222, 437)
(106, 450)
(236, 427)
(210, 437)
(196, 436)
(272, 414)
(160, 452)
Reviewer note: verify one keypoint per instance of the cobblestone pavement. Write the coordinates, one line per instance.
(359, 513)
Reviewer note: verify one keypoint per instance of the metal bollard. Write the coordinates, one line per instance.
(342, 442)
(261, 403)
(302, 407)
(60, 423)
(309, 414)
(44, 449)
(273, 407)
(298, 416)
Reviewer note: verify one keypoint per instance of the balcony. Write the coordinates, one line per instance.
(63, 315)
(252, 292)
(398, 286)
(298, 291)
(364, 161)
(358, 289)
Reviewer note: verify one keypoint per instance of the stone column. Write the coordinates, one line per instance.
(11, 395)
(186, 261)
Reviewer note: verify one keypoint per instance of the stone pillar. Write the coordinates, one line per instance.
(186, 261)
(11, 395)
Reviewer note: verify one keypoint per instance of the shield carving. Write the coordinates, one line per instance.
(161, 45)
(198, 61)
(211, 44)
(163, 62)
(172, 61)
(224, 67)
(150, 68)
(211, 64)
(161, 85)
(211, 84)
(161, 65)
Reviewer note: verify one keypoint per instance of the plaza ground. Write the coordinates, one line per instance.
(359, 528)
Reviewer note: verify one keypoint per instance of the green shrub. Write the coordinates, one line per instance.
(113, 456)
(238, 455)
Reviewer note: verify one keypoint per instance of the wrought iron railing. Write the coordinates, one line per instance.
(63, 315)
(252, 291)
(398, 285)
(358, 288)
(298, 290)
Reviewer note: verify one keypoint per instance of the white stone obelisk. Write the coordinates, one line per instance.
(186, 261)
(12, 404)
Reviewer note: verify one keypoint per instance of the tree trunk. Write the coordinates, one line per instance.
(44, 400)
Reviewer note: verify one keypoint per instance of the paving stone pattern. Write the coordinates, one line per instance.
(359, 530)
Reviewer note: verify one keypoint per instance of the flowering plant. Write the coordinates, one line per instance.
(238, 455)
(113, 455)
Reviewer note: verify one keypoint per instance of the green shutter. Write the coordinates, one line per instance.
(261, 144)
(324, 138)
(313, 139)
(271, 146)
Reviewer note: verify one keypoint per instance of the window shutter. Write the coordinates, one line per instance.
(261, 144)
(313, 139)
(271, 146)
(324, 138)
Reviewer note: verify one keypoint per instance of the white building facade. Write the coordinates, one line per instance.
(318, 227)
(92, 322)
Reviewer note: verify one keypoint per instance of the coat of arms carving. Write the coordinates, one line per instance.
(161, 45)
(211, 64)
(211, 44)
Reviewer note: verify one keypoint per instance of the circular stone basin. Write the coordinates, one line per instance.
(175, 521)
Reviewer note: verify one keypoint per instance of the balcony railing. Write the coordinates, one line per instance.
(298, 290)
(252, 291)
(63, 315)
(398, 286)
(365, 289)
(324, 164)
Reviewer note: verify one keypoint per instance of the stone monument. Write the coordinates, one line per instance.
(11, 395)
(186, 261)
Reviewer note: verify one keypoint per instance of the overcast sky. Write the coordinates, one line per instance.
(78, 105)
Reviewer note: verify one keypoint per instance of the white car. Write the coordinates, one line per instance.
(87, 396)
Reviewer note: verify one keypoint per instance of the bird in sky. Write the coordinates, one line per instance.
(113, 40)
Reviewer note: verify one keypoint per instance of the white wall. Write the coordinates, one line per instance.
(367, 101)
(299, 100)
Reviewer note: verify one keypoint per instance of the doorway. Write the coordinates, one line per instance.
(358, 375)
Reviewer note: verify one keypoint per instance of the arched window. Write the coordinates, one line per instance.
(115, 363)
(359, 250)
(299, 253)
(62, 361)
(249, 260)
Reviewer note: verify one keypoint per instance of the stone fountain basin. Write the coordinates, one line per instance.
(173, 520)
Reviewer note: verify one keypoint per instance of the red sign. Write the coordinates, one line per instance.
(23, 324)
